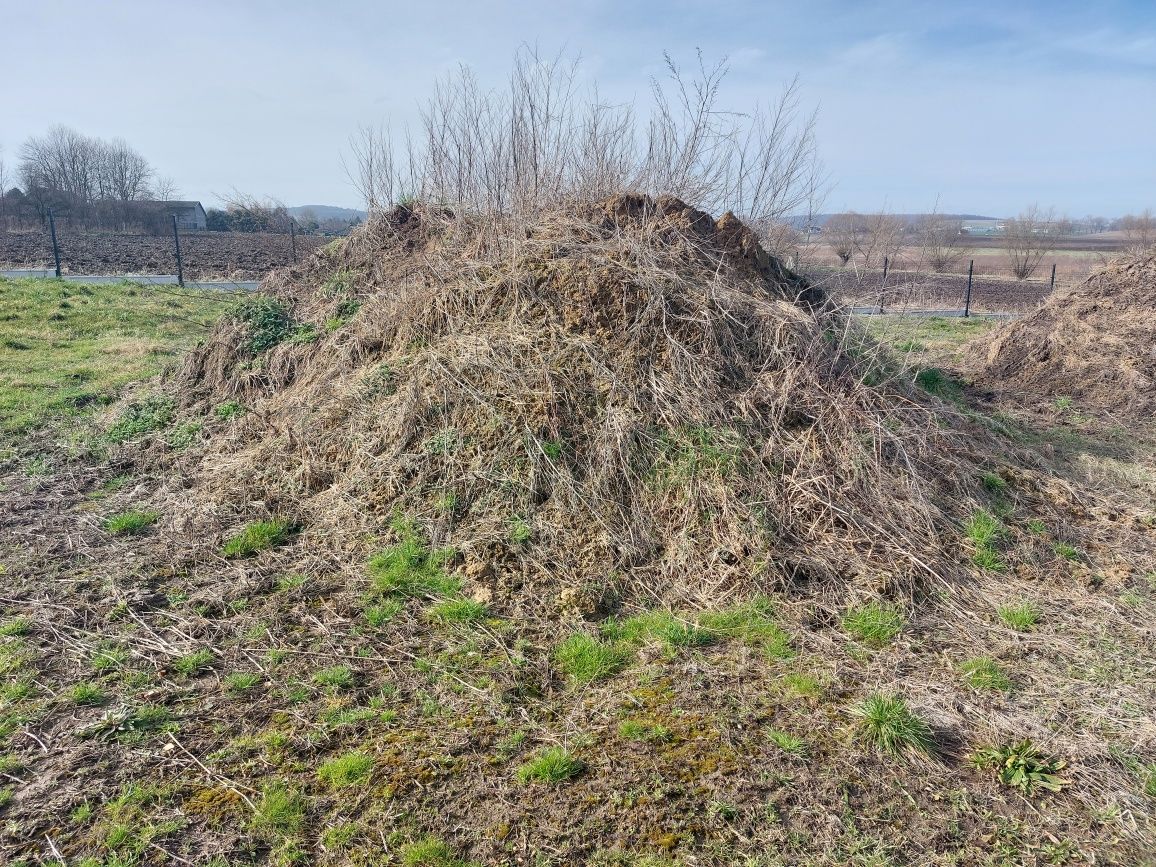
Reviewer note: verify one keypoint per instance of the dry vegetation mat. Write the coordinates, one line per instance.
(1095, 345)
(597, 538)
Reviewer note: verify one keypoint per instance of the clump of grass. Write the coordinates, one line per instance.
(457, 610)
(1021, 766)
(637, 730)
(584, 659)
(142, 417)
(983, 672)
(336, 677)
(788, 743)
(994, 482)
(410, 568)
(193, 663)
(803, 685)
(430, 852)
(553, 765)
(131, 522)
(291, 581)
(379, 614)
(88, 694)
(875, 623)
(1068, 552)
(268, 321)
(229, 409)
(242, 681)
(346, 770)
(1020, 616)
(15, 627)
(281, 809)
(889, 725)
(984, 530)
(752, 623)
(661, 626)
(257, 537)
(109, 657)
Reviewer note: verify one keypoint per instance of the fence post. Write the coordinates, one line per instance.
(55, 249)
(883, 286)
(177, 244)
(1053, 284)
(293, 238)
(967, 300)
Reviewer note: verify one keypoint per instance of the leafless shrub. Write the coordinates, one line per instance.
(939, 240)
(1139, 229)
(1028, 238)
(839, 232)
(543, 142)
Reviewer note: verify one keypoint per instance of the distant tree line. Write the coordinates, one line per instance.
(245, 213)
(89, 180)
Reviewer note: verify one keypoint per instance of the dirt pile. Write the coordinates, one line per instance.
(625, 401)
(1095, 345)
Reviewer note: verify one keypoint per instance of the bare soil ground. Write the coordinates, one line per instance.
(205, 255)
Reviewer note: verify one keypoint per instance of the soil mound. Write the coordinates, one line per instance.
(630, 400)
(1095, 344)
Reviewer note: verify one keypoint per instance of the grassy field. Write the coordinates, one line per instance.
(66, 349)
(256, 703)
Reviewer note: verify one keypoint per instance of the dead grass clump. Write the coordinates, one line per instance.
(1094, 346)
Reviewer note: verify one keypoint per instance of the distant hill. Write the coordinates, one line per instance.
(328, 212)
(821, 219)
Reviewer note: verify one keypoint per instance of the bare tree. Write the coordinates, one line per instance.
(543, 141)
(1139, 230)
(839, 232)
(165, 189)
(878, 236)
(1028, 238)
(125, 174)
(940, 241)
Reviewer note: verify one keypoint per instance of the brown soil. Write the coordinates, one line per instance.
(1095, 345)
(204, 255)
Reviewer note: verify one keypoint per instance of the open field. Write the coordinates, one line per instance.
(205, 255)
(186, 679)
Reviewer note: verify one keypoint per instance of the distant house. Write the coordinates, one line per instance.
(190, 215)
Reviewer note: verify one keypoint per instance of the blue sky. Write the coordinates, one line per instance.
(985, 106)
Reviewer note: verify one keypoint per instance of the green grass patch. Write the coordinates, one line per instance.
(379, 614)
(337, 677)
(984, 530)
(457, 611)
(552, 765)
(89, 694)
(1068, 552)
(431, 852)
(890, 726)
(281, 809)
(752, 623)
(584, 659)
(346, 770)
(788, 743)
(15, 627)
(875, 623)
(61, 362)
(242, 681)
(141, 418)
(637, 730)
(132, 521)
(983, 672)
(663, 627)
(194, 663)
(1021, 616)
(410, 568)
(257, 537)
